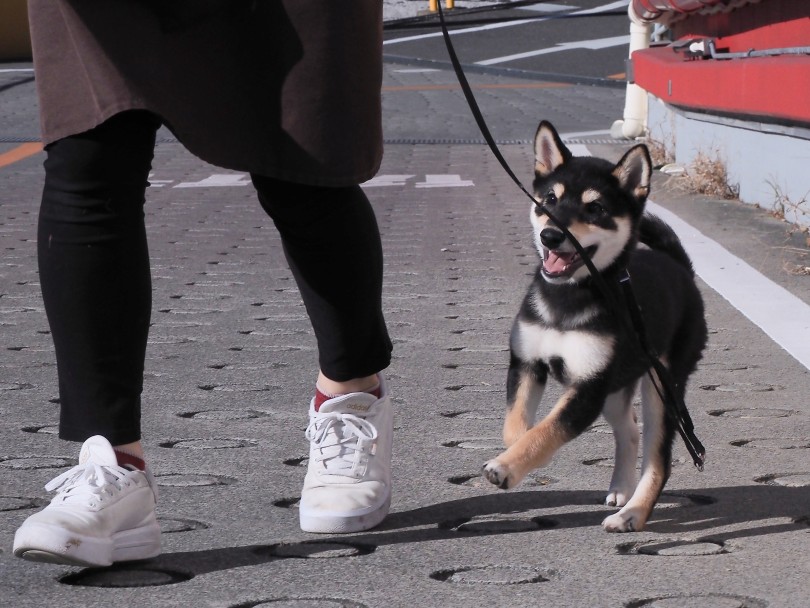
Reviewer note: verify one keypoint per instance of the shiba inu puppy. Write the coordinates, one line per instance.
(567, 330)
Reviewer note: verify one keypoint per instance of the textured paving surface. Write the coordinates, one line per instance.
(231, 362)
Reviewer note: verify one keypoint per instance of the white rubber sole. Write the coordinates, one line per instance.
(319, 522)
(52, 545)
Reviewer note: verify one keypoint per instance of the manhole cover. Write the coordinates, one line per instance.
(476, 480)
(742, 387)
(469, 415)
(670, 500)
(606, 461)
(772, 443)
(484, 443)
(221, 415)
(470, 480)
(209, 444)
(188, 480)
(45, 429)
(318, 550)
(15, 386)
(303, 602)
(501, 574)
(752, 412)
(537, 480)
(18, 503)
(496, 525)
(287, 503)
(122, 576)
(788, 480)
(710, 600)
(31, 463)
(299, 461)
(238, 388)
(674, 548)
(171, 525)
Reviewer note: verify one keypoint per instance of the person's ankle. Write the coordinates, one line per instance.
(363, 384)
(326, 388)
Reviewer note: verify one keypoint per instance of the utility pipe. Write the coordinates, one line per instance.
(635, 103)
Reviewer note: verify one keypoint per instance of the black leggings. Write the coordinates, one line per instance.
(96, 283)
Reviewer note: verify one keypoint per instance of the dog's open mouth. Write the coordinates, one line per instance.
(558, 263)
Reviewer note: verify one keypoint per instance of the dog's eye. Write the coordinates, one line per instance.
(550, 199)
(594, 209)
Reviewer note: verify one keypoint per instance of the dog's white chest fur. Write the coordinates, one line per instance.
(583, 353)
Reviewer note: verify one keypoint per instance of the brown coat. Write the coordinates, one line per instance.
(284, 88)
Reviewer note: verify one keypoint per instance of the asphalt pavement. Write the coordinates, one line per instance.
(231, 363)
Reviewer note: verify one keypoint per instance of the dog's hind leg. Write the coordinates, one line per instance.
(621, 416)
(524, 390)
(656, 464)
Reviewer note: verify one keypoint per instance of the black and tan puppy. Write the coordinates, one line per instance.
(566, 329)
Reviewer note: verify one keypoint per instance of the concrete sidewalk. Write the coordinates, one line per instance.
(231, 364)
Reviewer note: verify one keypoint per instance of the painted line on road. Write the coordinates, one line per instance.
(780, 314)
(589, 45)
(453, 87)
(494, 26)
(20, 152)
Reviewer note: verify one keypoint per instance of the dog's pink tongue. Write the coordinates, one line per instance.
(556, 261)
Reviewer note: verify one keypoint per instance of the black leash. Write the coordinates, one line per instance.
(674, 405)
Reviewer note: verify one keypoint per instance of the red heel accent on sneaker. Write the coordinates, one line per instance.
(125, 460)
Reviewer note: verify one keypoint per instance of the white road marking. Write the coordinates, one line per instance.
(228, 180)
(219, 180)
(546, 7)
(592, 45)
(495, 26)
(387, 180)
(771, 307)
(444, 181)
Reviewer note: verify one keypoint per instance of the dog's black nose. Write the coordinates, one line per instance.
(551, 238)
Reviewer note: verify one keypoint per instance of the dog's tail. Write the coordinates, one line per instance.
(656, 234)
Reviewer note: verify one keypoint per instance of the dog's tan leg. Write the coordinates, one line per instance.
(655, 468)
(524, 392)
(533, 449)
(621, 416)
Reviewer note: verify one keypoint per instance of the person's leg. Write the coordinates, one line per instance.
(332, 244)
(94, 271)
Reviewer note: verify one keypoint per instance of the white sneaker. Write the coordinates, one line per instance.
(102, 513)
(348, 483)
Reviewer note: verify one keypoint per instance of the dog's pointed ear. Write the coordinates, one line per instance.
(634, 172)
(549, 150)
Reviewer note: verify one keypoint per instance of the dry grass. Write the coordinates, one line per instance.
(784, 208)
(708, 175)
(659, 153)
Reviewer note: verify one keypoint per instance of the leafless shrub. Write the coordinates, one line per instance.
(708, 175)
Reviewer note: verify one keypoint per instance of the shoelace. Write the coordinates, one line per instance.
(344, 442)
(89, 483)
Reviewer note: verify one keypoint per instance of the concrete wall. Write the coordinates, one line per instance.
(767, 162)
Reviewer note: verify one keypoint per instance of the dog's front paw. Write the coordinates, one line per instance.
(497, 473)
(617, 498)
(626, 520)
(617, 523)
